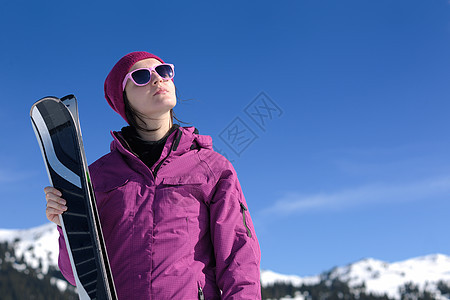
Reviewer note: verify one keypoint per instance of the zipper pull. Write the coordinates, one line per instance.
(244, 209)
(201, 296)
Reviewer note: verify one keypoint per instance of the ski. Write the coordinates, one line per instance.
(56, 125)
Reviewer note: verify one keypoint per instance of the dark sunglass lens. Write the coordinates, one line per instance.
(165, 71)
(141, 76)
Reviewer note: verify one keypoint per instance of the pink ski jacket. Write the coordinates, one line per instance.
(180, 230)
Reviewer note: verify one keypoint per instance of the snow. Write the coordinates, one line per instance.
(59, 283)
(39, 244)
(381, 277)
(297, 296)
(269, 278)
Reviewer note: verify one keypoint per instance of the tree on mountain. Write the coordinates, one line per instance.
(26, 284)
(411, 291)
(444, 288)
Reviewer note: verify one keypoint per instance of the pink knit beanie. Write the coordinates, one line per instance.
(113, 82)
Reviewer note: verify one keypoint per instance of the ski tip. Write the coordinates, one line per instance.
(52, 98)
(48, 98)
(68, 100)
(68, 97)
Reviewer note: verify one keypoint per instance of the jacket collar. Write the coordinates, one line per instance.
(178, 142)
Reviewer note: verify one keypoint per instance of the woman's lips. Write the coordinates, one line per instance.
(160, 91)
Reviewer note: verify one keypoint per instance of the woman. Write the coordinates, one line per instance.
(174, 218)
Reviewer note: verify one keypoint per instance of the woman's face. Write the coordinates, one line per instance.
(157, 98)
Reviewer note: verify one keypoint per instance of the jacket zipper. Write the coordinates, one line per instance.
(244, 209)
(174, 145)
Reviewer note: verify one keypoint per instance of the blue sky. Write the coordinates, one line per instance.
(349, 155)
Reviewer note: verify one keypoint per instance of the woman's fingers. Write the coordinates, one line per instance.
(52, 194)
(55, 204)
(53, 218)
(52, 190)
(53, 214)
(51, 197)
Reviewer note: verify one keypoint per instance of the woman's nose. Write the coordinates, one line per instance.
(156, 78)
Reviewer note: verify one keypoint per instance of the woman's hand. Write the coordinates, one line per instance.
(55, 204)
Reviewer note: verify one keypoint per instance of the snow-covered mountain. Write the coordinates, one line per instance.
(39, 247)
(379, 277)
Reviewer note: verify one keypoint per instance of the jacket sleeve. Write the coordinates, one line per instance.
(236, 247)
(63, 259)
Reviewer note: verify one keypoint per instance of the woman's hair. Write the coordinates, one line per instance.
(133, 116)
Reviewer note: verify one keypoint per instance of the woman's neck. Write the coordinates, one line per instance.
(159, 129)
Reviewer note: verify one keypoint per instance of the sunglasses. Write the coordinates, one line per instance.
(142, 76)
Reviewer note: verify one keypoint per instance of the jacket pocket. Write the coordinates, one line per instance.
(183, 191)
(118, 199)
(244, 218)
(111, 186)
(110, 192)
(182, 180)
